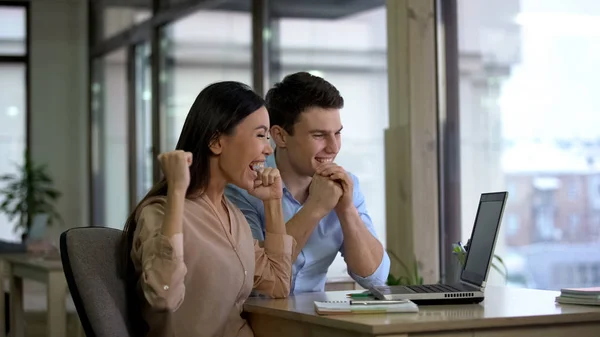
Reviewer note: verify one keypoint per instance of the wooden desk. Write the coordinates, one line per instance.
(504, 312)
(48, 271)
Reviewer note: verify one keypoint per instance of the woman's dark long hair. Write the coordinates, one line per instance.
(217, 110)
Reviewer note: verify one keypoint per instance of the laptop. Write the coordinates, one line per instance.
(474, 274)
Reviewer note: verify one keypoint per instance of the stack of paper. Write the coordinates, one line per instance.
(585, 296)
(344, 307)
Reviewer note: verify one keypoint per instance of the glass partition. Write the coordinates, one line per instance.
(528, 124)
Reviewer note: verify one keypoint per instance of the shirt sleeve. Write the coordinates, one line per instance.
(273, 265)
(380, 275)
(252, 212)
(159, 260)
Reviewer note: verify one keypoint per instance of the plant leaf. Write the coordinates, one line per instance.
(406, 270)
(28, 192)
(410, 277)
(52, 194)
(391, 280)
(498, 270)
(416, 271)
(8, 177)
(503, 265)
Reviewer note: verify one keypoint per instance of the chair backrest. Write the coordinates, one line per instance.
(91, 261)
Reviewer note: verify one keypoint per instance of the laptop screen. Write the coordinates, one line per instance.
(483, 237)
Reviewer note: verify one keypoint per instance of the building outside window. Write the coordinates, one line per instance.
(512, 57)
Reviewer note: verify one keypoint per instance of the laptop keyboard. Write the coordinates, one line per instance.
(433, 288)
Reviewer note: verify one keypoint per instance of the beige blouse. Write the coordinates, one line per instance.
(195, 284)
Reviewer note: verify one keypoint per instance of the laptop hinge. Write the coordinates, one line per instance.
(476, 286)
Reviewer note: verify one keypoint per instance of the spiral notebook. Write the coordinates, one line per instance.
(344, 307)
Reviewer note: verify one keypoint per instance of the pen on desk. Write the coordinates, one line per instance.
(359, 295)
(377, 302)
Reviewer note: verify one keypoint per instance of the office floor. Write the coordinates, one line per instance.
(35, 311)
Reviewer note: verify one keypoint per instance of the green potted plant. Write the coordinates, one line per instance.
(28, 193)
(461, 253)
(412, 277)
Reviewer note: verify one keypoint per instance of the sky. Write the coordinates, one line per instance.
(554, 92)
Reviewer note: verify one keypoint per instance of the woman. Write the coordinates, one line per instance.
(191, 252)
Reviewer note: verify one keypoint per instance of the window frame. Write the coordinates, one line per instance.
(24, 60)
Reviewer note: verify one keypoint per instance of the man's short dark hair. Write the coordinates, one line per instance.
(297, 93)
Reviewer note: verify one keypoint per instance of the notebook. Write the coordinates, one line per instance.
(584, 296)
(591, 291)
(344, 307)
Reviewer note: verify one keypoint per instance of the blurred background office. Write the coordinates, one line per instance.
(96, 89)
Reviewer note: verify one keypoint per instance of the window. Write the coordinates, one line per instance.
(512, 224)
(14, 61)
(574, 189)
(13, 30)
(562, 274)
(595, 274)
(109, 18)
(143, 119)
(544, 210)
(350, 51)
(512, 56)
(511, 188)
(574, 223)
(202, 48)
(582, 273)
(594, 191)
(110, 164)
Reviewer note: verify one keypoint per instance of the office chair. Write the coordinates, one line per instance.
(91, 261)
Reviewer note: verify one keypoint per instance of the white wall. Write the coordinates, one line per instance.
(59, 82)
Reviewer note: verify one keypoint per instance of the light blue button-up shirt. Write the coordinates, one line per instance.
(309, 271)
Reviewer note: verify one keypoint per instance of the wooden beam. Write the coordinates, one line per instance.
(411, 141)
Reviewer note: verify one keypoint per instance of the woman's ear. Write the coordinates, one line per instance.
(279, 136)
(215, 145)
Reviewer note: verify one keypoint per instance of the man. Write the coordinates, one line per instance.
(323, 205)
